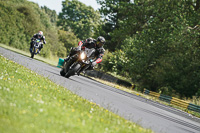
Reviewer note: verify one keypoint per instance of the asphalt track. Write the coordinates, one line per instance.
(149, 114)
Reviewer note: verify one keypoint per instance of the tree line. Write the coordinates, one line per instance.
(21, 19)
(156, 43)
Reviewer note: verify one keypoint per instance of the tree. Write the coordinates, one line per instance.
(51, 13)
(77, 17)
(20, 19)
(68, 39)
(161, 44)
(110, 11)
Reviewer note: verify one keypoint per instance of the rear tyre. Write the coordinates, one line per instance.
(72, 71)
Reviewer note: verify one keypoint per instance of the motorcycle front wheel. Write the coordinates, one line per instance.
(72, 71)
(33, 53)
(62, 72)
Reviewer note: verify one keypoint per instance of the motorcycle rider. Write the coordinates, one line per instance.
(40, 36)
(91, 43)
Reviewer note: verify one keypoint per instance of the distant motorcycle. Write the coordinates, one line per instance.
(35, 50)
(78, 63)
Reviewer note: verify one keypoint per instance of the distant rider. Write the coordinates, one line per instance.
(91, 43)
(40, 36)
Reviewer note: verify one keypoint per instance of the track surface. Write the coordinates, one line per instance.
(147, 113)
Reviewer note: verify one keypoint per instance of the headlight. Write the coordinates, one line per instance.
(83, 56)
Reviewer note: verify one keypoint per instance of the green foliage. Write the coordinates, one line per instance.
(114, 62)
(21, 19)
(52, 14)
(68, 39)
(160, 41)
(77, 17)
(112, 29)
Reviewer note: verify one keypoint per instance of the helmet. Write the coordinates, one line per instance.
(40, 34)
(100, 41)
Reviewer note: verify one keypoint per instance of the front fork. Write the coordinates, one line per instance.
(30, 50)
(83, 68)
(68, 65)
(73, 61)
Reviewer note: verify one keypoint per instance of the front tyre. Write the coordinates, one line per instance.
(72, 71)
(33, 53)
(62, 72)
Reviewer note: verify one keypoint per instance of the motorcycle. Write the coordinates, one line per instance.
(78, 63)
(35, 49)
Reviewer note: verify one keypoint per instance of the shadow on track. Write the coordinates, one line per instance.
(53, 73)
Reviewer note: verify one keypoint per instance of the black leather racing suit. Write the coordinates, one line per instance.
(35, 36)
(89, 43)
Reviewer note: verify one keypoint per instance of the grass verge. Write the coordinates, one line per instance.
(32, 103)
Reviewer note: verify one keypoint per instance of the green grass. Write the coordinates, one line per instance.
(31, 103)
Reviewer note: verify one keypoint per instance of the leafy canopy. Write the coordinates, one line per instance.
(77, 17)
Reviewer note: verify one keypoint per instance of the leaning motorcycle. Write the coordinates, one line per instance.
(36, 44)
(78, 63)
